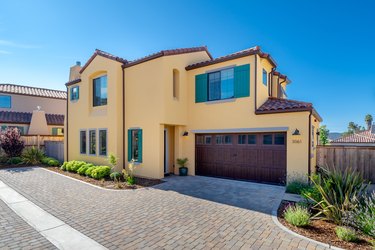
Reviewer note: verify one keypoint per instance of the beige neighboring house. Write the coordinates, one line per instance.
(34, 111)
(363, 138)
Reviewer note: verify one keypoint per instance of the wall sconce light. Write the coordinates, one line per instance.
(296, 132)
(185, 133)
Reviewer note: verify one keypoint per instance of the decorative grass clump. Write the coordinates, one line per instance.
(297, 215)
(346, 234)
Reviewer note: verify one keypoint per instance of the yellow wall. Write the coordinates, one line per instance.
(150, 105)
(82, 114)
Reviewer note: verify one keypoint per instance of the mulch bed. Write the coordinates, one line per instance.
(108, 183)
(323, 231)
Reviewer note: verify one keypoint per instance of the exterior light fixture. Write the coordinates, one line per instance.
(185, 133)
(296, 132)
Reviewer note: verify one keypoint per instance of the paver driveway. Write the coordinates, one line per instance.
(184, 212)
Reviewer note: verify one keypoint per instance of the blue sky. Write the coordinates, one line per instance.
(325, 47)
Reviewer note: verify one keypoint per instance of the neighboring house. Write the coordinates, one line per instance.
(363, 138)
(32, 110)
(227, 115)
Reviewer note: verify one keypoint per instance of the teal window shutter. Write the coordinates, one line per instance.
(242, 81)
(54, 131)
(129, 145)
(201, 88)
(77, 92)
(71, 94)
(140, 145)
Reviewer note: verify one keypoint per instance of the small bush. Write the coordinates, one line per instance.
(296, 184)
(15, 160)
(32, 155)
(63, 166)
(89, 170)
(346, 234)
(53, 163)
(116, 176)
(311, 195)
(297, 216)
(73, 166)
(11, 143)
(83, 168)
(100, 172)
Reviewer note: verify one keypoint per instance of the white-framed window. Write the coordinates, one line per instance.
(221, 84)
(265, 76)
(103, 142)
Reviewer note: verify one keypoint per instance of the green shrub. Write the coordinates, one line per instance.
(63, 166)
(296, 184)
(83, 168)
(73, 166)
(339, 191)
(116, 176)
(53, 163)
(89, 170)
(15, 160)
(363, 216)
(32, 155)
(311, 195)
(100, 172)
(130, 180)
(346, 234)
(297, 216)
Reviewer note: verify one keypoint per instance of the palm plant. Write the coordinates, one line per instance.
(368, 120)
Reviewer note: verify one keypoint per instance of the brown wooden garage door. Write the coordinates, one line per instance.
(256, 157)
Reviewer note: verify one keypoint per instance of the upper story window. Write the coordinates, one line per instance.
(233, 82)
(221, 84)
(265, 77)
(5, 101)
(176, 83)
(100, 91)
(74, 93)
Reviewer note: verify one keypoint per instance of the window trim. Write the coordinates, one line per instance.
(106, 142)
(93, 90)
(208, 84)
(10, 101)
(71, 93)
(89, 140)
(80, 142)
(140, 145)
(265, 77)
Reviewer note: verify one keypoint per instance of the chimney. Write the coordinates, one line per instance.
(74, 71)
(373, 128)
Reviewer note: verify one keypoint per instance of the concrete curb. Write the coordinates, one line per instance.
(287, 230)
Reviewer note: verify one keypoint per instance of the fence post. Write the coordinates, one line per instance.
(38, 141)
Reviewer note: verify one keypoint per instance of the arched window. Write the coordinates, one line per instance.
(176, 83)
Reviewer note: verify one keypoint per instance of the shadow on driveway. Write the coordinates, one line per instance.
(254, 196)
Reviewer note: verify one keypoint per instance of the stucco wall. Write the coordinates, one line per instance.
(24, 103)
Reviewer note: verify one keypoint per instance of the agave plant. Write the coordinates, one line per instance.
(32, 155)
(339, 190)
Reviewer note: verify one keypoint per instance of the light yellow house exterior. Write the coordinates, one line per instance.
(156, 103)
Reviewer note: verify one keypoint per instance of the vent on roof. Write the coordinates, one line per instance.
(78, 63)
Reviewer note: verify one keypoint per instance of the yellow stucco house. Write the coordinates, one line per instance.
(229, 115)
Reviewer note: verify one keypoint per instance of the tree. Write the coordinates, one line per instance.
(353, 128)
(368, 120)
(323, 135)
(11, 143)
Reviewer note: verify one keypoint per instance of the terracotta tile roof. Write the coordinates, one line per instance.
(239, 54)
(103, 54)
(25, 118)
(280, 105)
(168, 53)
(361, 137)
(32, 91)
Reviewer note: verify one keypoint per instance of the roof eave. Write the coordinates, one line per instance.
(73, 82)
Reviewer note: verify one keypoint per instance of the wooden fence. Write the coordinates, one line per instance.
(39, 140)
(361, 159)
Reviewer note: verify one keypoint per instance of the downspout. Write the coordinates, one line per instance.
(256, 77)
(270, 80)
(123, 115)
(309, 147)
(67, 123)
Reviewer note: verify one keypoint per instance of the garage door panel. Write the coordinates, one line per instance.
(238, 160)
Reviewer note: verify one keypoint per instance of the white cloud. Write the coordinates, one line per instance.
(17, 45)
